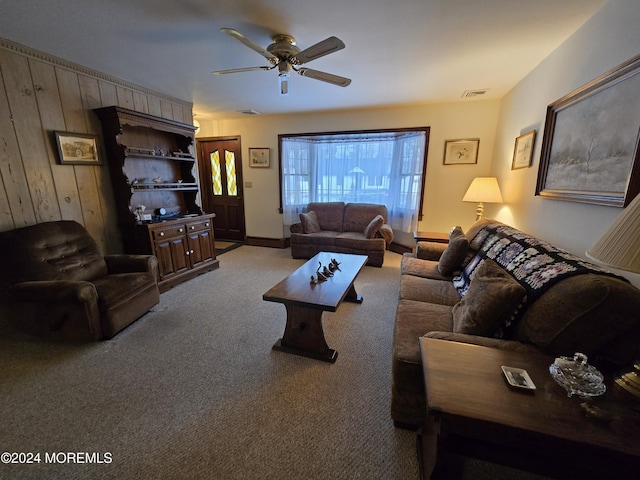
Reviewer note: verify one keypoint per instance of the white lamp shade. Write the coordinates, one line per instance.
(619, 247)
(483, 190)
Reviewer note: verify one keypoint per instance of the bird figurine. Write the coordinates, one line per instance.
(157, 180)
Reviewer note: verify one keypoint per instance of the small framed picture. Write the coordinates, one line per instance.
(461, 152)
(523, 150)
(259, 157)
(77, 149)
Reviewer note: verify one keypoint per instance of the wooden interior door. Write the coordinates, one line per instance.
(220, 167)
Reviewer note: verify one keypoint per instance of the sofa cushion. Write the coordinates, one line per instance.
(493, 298)
(586, 313)
(373, 227)
(411, 265)
(455, 253)
(358, 215)
(321, 238)
(330, 215)
(357, 241)
(428, 290)
(309, 222)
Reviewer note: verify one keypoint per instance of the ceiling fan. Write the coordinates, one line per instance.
(286, 55)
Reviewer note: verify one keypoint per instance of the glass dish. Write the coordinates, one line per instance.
(577, 377)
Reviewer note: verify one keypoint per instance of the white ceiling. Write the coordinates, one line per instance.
(397, 52)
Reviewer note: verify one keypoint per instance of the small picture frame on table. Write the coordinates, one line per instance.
(259, 157)
(77, 149)
(523, 150)
(461, 152)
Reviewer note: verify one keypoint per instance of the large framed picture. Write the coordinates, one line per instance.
(461, 152)
(77, 149)
(523, 150)
(259, 157)
(590, 145)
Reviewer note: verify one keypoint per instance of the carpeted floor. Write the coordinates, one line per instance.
(193, 390)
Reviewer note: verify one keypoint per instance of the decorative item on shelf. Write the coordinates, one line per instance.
(140, 212)
(483, 190)
(619, 248)
(577, 377)
(157, 180)
(134, 181)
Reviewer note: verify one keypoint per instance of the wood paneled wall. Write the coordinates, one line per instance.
(41, 94)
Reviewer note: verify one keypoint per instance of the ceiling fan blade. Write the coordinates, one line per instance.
(237, 70)
(253, 46)
(320, 49)
(325, 77)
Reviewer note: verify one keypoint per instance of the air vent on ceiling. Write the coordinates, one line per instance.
(249, 112)
(474, 93)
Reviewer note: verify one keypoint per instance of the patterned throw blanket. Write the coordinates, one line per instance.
(532, 262)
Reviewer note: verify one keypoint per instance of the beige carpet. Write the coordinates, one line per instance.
(193, 390)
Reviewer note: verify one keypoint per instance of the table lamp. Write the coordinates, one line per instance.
(619, 248)
(483, 190)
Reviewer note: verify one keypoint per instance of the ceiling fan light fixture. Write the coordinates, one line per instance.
(283, 82)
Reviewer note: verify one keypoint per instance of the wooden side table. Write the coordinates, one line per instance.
(437, 237)
(473, 411)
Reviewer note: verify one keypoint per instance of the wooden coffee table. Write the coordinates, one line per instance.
(474, 412)
(305, 302)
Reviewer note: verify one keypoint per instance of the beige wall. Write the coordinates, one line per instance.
(40, 94)
(608, 39)
(445, 184)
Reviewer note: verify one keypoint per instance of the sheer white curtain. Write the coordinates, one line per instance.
(384, 168)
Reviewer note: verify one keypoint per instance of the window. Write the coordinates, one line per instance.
(381, 166)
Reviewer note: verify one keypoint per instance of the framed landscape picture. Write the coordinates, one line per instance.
(259, 157)
(523, 150)
(461, 152)
(590, 146)
(77, 149)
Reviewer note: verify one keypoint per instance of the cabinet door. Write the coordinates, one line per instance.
(201, 248)
(172, 256)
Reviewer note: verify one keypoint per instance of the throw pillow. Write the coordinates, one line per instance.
(310, 222)
(373, 227)
(493, 298)
(451, 259)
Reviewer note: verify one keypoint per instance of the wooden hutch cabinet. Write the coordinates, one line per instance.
(151, 162)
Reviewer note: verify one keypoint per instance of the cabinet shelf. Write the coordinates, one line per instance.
(190, 187)
(184, 243)
(133, 155)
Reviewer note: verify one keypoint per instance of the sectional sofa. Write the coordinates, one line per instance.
(499, 287)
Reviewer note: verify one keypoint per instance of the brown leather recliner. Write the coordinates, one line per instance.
(55, 282)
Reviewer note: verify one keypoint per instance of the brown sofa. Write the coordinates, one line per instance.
(359, 228)
(55, 282)
(520, 293)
